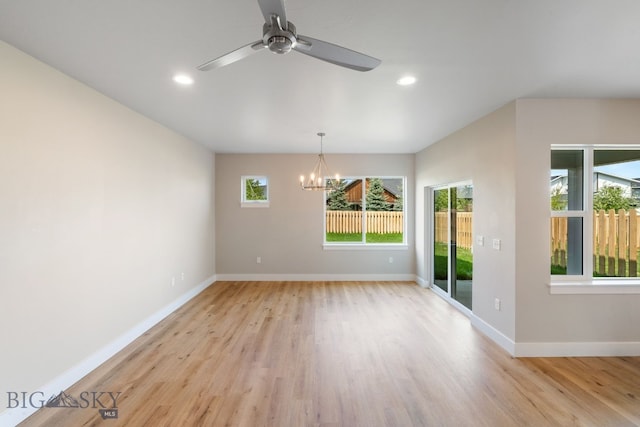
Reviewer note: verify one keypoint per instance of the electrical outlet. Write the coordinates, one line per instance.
(182, 276)
(480, 240)
(258, 260)
(496, 304)
(390, 260)
(173, 281)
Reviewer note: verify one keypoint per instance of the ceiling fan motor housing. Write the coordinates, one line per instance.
(277, 39)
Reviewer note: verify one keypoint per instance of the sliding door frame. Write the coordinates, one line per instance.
(451, 262)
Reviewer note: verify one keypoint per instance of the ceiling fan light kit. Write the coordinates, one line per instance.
(317, 179)
(280, 36)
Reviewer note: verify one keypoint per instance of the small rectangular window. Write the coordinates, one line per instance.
(255, 191)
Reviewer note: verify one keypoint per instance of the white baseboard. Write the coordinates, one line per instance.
(495, 335)
(556, 349)
(422, 282)
(577, 349)
(315, 277)
(12, 417)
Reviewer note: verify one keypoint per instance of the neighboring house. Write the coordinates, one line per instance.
(601, 180)
(630, 186)
(558, 184)
(353, 191)
(635, 189)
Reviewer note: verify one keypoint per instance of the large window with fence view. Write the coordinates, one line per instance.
(365, 210)
(595, 201)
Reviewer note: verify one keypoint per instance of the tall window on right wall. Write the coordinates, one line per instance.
(595, 222)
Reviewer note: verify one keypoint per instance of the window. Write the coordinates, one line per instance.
(366, 210)
(567, 211)
(595, 229)
(254, 191)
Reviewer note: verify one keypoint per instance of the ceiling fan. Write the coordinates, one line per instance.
(280, 36)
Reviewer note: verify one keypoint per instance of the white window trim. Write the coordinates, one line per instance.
(253, 203)
(596, 287)
(348, 246)
(586, 283)
(363, 245)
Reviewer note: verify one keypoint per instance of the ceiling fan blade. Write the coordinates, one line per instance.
(274, 7)
(335, 54)
(232, 56)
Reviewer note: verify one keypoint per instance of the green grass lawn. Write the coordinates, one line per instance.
(464, 264)
(371, 237)
(562, 271)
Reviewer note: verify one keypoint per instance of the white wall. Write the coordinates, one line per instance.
(507, 156)
(99, 208)
(288, 235)
(542, 317)
(482, 152)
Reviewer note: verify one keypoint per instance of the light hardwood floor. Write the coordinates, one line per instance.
(343, 354)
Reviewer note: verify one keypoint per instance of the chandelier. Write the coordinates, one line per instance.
(317, 179)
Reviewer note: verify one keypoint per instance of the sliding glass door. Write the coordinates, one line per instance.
(453, 242)
(441, 238)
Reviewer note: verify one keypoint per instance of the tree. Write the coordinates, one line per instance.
(253, 190)
(464, 205)
(558, 202)
(611, 197)
(375, 196)
(338, 197)
(399, 203)
(441, 201)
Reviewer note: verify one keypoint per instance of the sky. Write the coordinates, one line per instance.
(626, 170)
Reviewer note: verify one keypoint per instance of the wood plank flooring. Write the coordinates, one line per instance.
(343, 354)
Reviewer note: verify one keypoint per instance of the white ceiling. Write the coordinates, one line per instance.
(470, 57)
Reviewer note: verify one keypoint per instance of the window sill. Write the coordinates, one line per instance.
(365, 247)
(612, 287)
(254, 204)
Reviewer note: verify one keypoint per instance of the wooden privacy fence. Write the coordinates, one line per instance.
(615, 242)
(382, 222)
(464, 228)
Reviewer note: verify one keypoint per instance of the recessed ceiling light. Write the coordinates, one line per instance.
(406, 81)
(183, 79)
